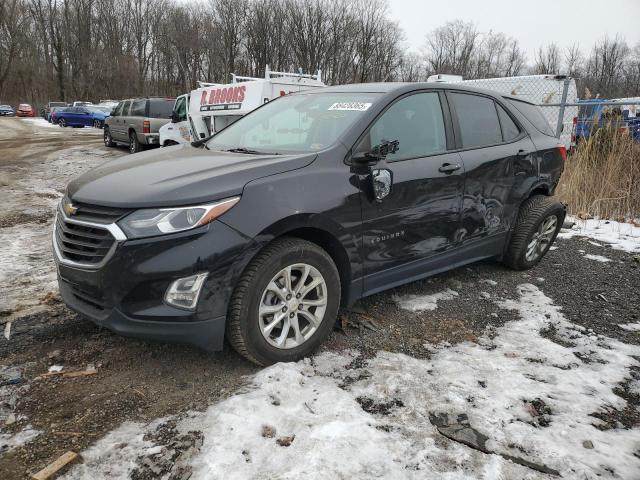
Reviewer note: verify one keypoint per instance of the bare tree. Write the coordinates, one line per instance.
(547, 59)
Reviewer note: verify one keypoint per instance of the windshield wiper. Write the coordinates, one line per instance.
(248, 151)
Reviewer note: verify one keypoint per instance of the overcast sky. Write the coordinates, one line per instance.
(532, 22)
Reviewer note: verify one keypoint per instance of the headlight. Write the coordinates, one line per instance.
(150, 222)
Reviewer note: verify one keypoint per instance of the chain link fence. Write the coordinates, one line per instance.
(570, 118)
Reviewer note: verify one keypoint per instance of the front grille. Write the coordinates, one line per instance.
(83, 244)
(98, 214)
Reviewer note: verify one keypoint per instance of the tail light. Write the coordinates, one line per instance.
(563, 152)
(146, 126)
(575, 120)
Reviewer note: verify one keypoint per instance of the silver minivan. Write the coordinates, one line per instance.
(135, 122)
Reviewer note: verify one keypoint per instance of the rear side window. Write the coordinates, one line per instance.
(510, 130)
(138, 108)
(478, 119)
(416, 122)
(161, 107)
(534, 115)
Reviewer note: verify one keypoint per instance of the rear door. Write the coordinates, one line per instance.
(497, 155)
(420, 215)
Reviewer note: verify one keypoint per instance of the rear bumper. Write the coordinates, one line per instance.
(149, 138)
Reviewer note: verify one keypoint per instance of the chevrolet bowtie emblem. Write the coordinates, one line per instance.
(69, 209)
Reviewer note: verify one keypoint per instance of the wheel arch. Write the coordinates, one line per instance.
(321, 231)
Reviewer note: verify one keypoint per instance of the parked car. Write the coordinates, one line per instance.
(312, 201)
(7, 111)
(81, 104)
(74, 117)
(135, 122)
(25, 110)
(46, 111)
(55, 111)
(99, 115)
(594, 114)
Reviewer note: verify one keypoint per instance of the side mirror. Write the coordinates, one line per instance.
(377, 153)
(175, 118)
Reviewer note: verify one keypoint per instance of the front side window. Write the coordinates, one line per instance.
(478, 120)
(181, 109)
(117, 111)
(125, 108)
(295, 123)
(416, 122)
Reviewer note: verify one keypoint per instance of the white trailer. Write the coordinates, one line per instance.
(212, 107)
(542, 90)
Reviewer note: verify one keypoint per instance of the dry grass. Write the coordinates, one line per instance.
(602, 177)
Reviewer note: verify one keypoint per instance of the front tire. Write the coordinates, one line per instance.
(62, 122)
(108, 140)
(285, 304)
(539, 221)
(134, 144)
(97, 124)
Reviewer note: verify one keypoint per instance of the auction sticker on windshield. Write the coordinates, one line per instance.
(357, 106)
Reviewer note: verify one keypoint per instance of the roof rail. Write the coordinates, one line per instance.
(207, 84)
(269, 74)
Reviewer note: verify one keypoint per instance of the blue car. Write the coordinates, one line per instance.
(99, 115)
(7, 111)
(594, 114)
(74, 117)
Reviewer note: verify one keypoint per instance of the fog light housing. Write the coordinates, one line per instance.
(184, 292)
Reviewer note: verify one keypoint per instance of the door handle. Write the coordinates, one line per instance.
(523, 153)
(449, 167)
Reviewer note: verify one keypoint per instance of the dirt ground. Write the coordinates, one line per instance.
(142, 381)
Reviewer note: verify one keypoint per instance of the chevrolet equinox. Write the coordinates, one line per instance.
(309, 203)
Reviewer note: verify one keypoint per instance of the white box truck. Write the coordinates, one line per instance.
(211, 107)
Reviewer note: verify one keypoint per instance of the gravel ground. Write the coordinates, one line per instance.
(142, 381)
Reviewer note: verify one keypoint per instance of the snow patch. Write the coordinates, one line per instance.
(10, 441)
(597, 258)
(621, 236)
(631, 327)
(417, 303)
(370, 418)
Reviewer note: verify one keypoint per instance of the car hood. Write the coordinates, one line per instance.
(178, 175)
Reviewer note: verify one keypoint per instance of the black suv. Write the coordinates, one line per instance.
(310, 202)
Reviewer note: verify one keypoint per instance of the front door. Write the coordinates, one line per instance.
(419, 217)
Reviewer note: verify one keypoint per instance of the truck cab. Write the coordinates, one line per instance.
(212, 107)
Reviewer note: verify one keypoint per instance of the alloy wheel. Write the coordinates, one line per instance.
(541, 238)
(292, 306)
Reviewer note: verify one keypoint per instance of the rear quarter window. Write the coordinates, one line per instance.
(534, 115)
(161, 108)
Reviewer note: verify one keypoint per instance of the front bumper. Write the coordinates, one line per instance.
(126, 293)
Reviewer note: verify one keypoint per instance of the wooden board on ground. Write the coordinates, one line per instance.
(50, 470)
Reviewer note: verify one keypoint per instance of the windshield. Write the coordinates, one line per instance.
(295, 123)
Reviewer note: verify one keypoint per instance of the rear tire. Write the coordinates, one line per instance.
(539, 221)
(265, 324)
(134, 144)
(108, 140)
